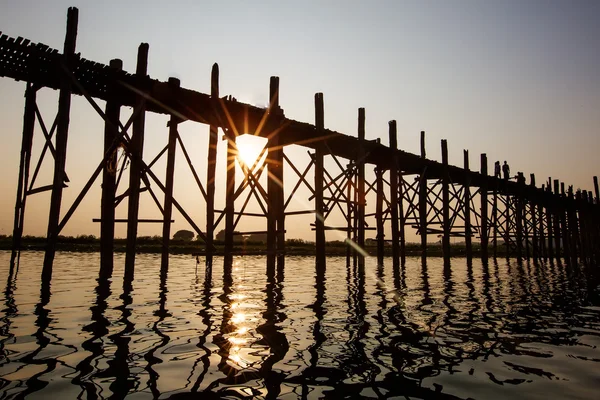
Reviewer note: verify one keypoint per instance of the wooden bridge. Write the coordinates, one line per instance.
(411, 191)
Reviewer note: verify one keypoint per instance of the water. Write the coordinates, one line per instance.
(498, 331)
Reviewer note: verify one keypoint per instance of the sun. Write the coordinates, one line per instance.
(249, 148)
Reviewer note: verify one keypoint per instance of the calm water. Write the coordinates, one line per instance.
(498, 331)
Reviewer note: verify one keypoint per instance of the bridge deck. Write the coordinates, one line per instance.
(22, 60)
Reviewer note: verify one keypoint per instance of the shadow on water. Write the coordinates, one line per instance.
(94, 345)
(205, 314)
(123, 381)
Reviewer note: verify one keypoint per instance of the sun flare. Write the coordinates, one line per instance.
(249, 148)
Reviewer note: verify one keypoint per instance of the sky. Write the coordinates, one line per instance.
(517, 80)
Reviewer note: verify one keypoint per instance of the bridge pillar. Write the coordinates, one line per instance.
(62, 131)
(229, 199)
(549, 230)
(556, 220)
(319, 205)
(275, 217)
(445, 204)
(24, 163)
(484, 208)
(423, 201)
(213, 138)
(379, 214)
(495, 219)
(170, 175)
(543, 231)
(135, 167)
(563, 224)
(467, 205)
(361, 185)
(519, 210)
(533, 211)
(394, 195)
(107, 207)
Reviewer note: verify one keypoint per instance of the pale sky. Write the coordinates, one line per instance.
(517, 80)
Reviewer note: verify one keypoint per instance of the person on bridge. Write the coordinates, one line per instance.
(497, 169)
(506, 171)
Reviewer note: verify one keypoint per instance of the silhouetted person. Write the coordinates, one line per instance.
(506, 171)
(497, 169)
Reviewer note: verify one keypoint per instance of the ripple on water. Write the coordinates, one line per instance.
(481, 331)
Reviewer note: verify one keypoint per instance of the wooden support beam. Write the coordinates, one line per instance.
(169, 183)
(564, 231)
(495, 218)
(445, 204)
(379, 215)
(136, 146)
(573, 225)
(275, 206)
(213, 138)
(467, 207)
(549, 230)
(62, 131)
(109, 182)
(519, 210)
(533, 210)
(596, 190)
(394, 197)
(229, 199)
(360, 161)
(484, 209)
(423, 193)
(24, 164)
(543, 225)
(319, 215)
(556, 220)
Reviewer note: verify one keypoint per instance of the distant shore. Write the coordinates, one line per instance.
(153, 244)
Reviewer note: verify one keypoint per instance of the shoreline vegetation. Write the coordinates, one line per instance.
(293, 247)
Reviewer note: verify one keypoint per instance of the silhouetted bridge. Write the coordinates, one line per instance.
(410, 190)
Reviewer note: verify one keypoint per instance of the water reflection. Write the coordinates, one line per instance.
(424, 330)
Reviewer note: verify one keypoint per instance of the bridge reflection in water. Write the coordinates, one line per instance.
(476, 330)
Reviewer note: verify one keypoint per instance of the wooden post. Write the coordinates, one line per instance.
(543, 228)
(319, 206)
(423, 202)
(229, 199)
(174, 84)
(394, 195)
(445, 204)
(549, 231)
(596, 190)
(25, 160)
(402, 223)
(275, 221)
(361, 184)
(563, 223)
(211, 168)
(379, 214)
(467, 201)
(349, 216)
(495, 218)
(556, 221)
(519, 208)
(484, 208)
(533, 209)
(135, 168)
(62, 131)
(507, 225)
(573, 225)
(107, 208)
(581, 197)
